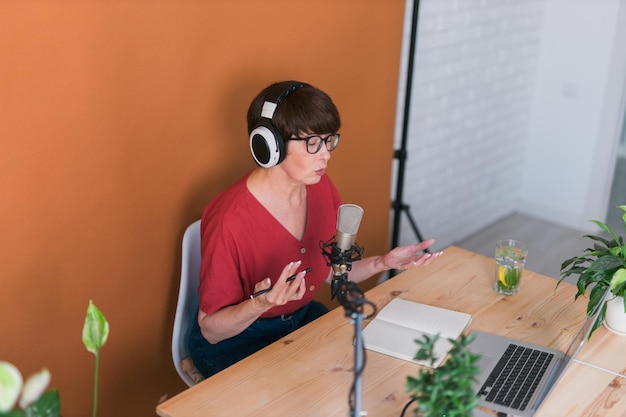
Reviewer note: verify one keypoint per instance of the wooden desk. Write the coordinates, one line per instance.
(309, 372)
(586, 391)
(605, 350)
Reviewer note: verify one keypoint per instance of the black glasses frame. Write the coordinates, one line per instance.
(331, 141)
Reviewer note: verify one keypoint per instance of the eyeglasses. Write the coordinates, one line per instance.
(314, 143)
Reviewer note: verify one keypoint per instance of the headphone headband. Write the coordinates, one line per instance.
(270, 104)
(290, 89)
(266, 143)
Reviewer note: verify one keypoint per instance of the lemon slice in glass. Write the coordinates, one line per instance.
(502, 270)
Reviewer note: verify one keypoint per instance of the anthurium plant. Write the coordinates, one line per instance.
(599, 268)
(30, 398)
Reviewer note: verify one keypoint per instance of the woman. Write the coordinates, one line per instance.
(268, 226)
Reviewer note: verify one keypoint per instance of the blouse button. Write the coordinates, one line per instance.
(302, 250)
(312, 288)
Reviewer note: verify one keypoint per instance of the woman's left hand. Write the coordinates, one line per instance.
(410, 256)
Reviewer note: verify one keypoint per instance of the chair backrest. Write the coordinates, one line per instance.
(187, 306)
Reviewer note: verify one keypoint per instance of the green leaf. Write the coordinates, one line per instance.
(606, 229)
(595, 296)
(606, 262)
(598, 321)
(95, 330)
(567, 263)
(48, 405)
(598, 239)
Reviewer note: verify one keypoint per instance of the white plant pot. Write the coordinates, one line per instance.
(615, 319)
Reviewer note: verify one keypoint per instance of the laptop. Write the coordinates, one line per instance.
(515, 376)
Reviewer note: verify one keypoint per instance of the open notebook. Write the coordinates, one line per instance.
(396, 327)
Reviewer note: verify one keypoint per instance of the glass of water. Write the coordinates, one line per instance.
(510, 260)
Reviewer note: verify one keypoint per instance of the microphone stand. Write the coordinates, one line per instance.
(351, 297)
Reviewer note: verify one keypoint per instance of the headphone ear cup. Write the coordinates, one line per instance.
(267, 145)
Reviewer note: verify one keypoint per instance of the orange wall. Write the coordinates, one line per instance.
(119, 121)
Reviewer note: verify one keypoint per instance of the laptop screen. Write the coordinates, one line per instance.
(579, 340)
(585, 331)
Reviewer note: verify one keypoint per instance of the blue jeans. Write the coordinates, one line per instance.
(212, 358)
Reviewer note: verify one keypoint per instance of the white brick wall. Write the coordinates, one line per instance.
(472, 87)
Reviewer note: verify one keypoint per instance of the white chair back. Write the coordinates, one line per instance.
(187, 306)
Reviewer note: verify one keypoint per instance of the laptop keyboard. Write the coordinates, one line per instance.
(516, 376)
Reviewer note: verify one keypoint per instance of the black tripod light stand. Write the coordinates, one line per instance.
(398, 204)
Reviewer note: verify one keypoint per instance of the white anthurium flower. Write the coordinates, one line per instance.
(35, 385)
(10, 386)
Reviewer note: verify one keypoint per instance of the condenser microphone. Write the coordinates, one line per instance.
(341, 251)
(348, 220)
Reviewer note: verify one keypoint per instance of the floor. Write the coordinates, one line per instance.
(549, 244)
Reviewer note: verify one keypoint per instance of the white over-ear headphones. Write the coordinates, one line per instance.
(266, 143)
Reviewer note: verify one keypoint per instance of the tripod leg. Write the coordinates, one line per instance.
(414, 226)
(405, 208)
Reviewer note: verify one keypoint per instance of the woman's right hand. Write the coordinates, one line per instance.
(232, 320)
(283, 291)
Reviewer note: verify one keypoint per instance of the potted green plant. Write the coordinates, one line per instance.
(599, 268)
(30, 398)
(446, 390)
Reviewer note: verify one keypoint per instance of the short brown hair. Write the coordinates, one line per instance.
(304, 110)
